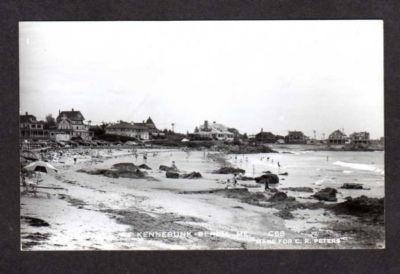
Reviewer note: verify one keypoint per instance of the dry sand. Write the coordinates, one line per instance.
(96, 212)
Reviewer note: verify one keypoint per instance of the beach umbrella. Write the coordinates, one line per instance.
(41, 167)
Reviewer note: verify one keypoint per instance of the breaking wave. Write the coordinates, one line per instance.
(357, 166)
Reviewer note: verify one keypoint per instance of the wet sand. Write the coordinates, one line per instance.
(96, 212)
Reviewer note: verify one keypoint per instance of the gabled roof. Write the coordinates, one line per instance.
(72, 115)
(27, 118)
(149, 121)
(337, 133)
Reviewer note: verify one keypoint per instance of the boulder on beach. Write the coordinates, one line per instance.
(172, 174)
(269, 178)
(125, 166)
(280, 196)
(352, 186)
(192, 175)
(326, 194)
(144, 166)
(229, 170)
(284, 174)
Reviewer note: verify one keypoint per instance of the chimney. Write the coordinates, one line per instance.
(262, 129)
(72, 109)
(205, 124)
(26, 113)
(59, 112)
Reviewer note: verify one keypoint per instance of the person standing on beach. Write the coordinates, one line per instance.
(235, 180)
(266, 181)
(75, 159)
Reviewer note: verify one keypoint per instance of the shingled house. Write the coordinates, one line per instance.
(71, 124)
(136, 130)
(30, 128)
(360, 138)
(295, 137)
(214, 131)
(337, 138)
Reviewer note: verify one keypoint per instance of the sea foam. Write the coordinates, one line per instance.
(359, 166)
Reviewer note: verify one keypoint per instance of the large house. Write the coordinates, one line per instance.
(337, 138)
(360, 138)
(70, 124)
(30, 128)
(140, 131)
(295, 137)
(214, 131)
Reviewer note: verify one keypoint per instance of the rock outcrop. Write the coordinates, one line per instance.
(229, 170)
(326, 194)
(269, 178)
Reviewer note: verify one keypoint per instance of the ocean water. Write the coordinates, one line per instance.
(320, 169)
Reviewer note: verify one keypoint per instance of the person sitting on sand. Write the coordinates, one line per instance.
(228, 182)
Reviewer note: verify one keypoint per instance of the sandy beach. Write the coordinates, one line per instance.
(81, 211)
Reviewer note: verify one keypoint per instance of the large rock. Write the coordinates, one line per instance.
(352, 186)
(144, 166)
(172, 174)
(229, 170)
(125, 166)
(269, 178)
(326, 194)
(192, 175)
(280, 196)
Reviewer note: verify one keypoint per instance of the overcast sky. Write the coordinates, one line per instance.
(275, 75)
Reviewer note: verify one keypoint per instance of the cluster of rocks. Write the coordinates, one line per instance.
(229, 170)
(123, 170)
(173, 173)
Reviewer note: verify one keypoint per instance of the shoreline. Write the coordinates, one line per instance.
(146, 202)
